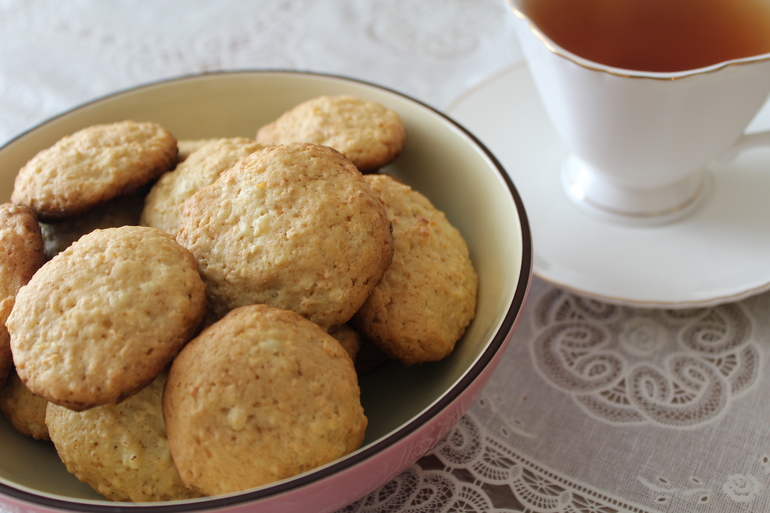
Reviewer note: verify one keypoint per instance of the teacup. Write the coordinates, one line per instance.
(640, 141)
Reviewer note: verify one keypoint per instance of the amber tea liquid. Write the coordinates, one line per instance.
(655, 35)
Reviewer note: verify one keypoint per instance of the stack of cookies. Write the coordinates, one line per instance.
(190, 318)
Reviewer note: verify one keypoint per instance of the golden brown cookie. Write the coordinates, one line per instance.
(23, 409)
(121, 211)
(349, 338)
(102, 318)
(293, 226)
(163, 207)
(120, 450)
(260, 396)
(427, 297)
(366, 132)
(21, 255)
(93, 166)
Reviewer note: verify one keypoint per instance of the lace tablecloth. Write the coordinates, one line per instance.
(595, 407)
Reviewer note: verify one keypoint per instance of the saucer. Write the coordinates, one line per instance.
(719, 253)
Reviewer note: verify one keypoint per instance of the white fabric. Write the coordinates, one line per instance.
(598, 408)
(54, 55)
(594, 408)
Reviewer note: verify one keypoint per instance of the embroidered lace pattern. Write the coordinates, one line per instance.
(598, 408)
(676, 368)
(468, 471)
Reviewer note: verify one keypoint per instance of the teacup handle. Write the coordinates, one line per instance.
(746, 142)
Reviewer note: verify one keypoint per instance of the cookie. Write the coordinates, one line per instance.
(21, 255)
(120, 450)
(93, 166)
(427, 297)
(187, 147)
(349, 339)
(23, 409)
(163, 207)
(259, 396)
(121, 211)
(366, 132)
(102, 318)
(292, 226)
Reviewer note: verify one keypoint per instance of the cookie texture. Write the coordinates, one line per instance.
(427, 297)
(163, 207)
(292, 226)
(349, 338)
(121, 211)
(120, 450)
(366, 132)
(92, 166)
(21, 255)
(23, 409)
(259, 396)
(103, 318)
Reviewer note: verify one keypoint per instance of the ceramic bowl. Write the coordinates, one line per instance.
(409, 409)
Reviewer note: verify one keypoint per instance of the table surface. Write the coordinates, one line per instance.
(594, 407)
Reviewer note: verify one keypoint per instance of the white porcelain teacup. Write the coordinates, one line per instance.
(640, 141)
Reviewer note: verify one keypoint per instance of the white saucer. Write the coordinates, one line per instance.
(719, 253)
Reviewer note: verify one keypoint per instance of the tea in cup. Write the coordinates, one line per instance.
(646, 94)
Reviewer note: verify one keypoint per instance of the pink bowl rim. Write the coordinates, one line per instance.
(497, 343)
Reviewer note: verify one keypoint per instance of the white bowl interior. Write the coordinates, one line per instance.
(440, 160)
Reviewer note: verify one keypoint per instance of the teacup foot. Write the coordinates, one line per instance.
(611, 202)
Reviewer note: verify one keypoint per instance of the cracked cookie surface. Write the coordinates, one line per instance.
(92, 166)
(102, 318)
(259, 396)
(21, 255)
(120, 450)
(292, 226)
(368, 133)
(427, 297)
(165, 201)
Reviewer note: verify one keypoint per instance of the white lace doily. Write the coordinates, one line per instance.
(600, 408)
(55, 55)
(594, 408)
